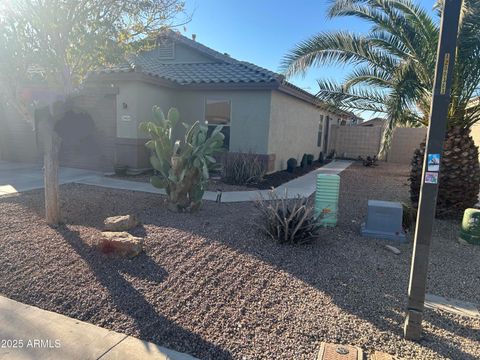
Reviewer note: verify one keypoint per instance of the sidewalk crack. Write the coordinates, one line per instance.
(109, 349)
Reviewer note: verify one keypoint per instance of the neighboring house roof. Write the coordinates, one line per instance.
(222, 71)
(374, 122)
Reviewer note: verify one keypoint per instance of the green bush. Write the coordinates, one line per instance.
(243, 169)
(409, 216)
(291, 165)
(287, 221)
(310, 159)
(183, 167)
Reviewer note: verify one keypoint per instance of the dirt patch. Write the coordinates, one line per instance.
(211, 285)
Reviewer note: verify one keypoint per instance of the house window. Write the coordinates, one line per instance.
(320, 132)
(218, 112)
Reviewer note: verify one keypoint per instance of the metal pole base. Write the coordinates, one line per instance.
(412, 329)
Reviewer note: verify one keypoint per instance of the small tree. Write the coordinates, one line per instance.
(183, 168)
(57, 42)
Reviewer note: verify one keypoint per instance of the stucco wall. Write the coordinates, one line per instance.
(184, 54)
(293, 129)
(404, 142)
(17, 137)
(476, 134)
(250, 112)
(139, 98)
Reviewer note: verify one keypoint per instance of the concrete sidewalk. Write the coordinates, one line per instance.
(30, 333)
(303, 186)
(18, 177)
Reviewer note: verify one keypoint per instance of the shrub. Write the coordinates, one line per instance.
(310, 159)
(321, 158)
(409, 216)
(243, 169)
(287, 221)
(303, 163)
(291, 165)
(183, 168)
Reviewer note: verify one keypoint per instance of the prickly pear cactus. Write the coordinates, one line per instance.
(183, 167)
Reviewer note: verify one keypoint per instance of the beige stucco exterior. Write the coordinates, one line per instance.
(263, 122)
(293, 128)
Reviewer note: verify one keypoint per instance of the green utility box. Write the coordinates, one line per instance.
(326, 199)
(470, 231)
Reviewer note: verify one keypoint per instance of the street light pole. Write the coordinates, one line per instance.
(431, 169)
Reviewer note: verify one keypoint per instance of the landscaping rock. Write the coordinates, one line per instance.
(120, 223)
(393, 249)
(120, 243)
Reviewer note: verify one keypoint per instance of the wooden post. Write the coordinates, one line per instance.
(50, 163)
(431, 168)
(51, 146)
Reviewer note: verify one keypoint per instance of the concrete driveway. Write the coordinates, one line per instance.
(18, 177)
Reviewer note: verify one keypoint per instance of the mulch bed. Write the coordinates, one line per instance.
(269, 181)
(215, 183)
(211, 285)
(281, 177)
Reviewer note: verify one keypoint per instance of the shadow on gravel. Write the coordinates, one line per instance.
(356, 273)
(359, 275)
(151, 325)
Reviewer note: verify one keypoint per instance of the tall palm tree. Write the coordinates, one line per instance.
(393, 73)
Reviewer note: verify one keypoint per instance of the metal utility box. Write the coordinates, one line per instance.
(384, 221)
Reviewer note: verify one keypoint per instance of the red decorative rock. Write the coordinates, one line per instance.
(120, 243)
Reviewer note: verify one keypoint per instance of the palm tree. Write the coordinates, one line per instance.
(393, 73)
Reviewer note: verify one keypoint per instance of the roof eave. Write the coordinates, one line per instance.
(131, 76)
(231, 86)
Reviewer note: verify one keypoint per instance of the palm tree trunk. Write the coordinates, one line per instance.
(459, 182)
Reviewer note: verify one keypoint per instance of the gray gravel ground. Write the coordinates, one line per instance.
(210, 285)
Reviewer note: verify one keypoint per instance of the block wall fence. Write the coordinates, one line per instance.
(354, 141)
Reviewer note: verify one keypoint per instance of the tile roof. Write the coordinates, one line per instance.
(222, 69)
(201, 73)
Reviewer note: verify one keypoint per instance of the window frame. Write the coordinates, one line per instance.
(320, 130)
(229, 125)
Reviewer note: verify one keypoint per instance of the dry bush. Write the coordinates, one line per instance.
(243, 169)
(287, 221)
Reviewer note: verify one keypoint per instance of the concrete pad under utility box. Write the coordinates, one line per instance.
(384, 221)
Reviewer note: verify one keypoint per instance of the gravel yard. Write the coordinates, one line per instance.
(210, 285)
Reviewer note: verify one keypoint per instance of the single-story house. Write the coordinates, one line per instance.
(261, 112)
(374, 122)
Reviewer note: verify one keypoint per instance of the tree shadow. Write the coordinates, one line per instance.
(335, 266)
(152, 326)
(331, 266)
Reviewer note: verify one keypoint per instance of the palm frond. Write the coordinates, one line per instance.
(368, 75)
(335, 48)
(360, 99)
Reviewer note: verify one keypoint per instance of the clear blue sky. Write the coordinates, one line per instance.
(262, 31)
